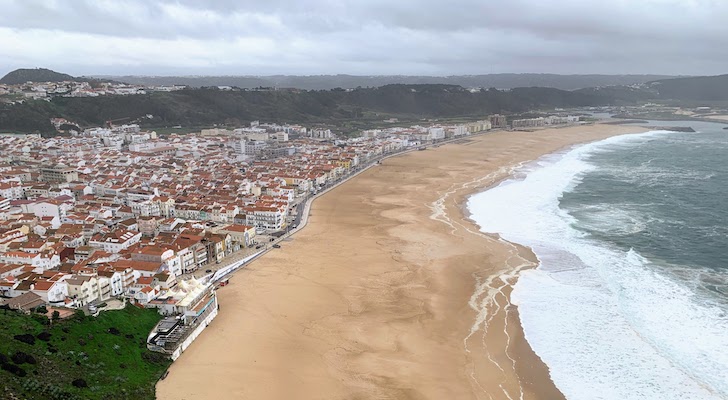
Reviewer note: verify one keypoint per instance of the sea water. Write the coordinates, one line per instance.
(630, 300)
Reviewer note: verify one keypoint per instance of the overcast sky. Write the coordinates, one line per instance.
(366, 37)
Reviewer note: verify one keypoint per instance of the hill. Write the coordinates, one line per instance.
(706, 88)
(326, 82)
(351, 108)
(102, 357)
(208, 106)
(34, 75)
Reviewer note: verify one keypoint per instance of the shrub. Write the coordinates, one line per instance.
(41, 319)
(44, 336)
(79, 316)
(114, 331)
(25, 338)
(14, 369)
(79, 383)
(41, 310)
(22, 358)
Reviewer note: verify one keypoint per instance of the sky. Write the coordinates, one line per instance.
(366, 37)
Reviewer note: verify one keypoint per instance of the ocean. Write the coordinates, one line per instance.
(630, 299)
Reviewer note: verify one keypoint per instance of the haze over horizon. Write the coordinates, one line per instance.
(225, 37)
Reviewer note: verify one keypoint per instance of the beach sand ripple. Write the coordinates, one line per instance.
(390, 292)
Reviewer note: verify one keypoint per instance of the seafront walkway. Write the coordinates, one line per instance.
(308, 200)
(226, 262)
(300, 219)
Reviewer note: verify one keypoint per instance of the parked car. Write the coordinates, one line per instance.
(277, 246)
(258, 246)
(208, 271)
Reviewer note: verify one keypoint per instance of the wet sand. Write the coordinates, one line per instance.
(390, 292)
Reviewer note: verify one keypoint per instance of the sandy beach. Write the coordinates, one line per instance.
(379, 297)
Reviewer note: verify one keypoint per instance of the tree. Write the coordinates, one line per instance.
(41, 309)
(55, 316)
(79, 315)
(41, 319)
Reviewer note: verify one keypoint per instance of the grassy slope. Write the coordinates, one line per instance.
(113, 365)
(205, 107)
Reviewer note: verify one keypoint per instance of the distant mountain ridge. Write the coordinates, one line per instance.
(24, 75)
(326, 82)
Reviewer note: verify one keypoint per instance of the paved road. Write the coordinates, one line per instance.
(234, 257)
(302, 208)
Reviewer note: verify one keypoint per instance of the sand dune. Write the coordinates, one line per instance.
(374, 299)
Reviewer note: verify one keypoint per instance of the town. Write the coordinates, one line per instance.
(74, 88)
(115, 215)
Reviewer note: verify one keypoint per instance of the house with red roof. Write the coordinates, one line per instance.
(115, 241)
(241, 234)
(54, 292)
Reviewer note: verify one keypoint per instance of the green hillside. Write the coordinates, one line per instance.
(81, 358)
(24, 75)
(208, 106)
(707, 88)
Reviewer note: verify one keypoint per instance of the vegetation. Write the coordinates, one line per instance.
(210, 106)
(81, 358)
(327, 82)
(349, 109)
(28, 117)
(23, 75)
(705, 88)
(692, 91)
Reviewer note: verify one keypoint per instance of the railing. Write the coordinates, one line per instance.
(179, 333)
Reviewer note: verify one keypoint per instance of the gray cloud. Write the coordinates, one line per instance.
(365, 37)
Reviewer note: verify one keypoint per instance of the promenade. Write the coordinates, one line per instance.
(302, 206)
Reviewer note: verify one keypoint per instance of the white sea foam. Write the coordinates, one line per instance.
(608, 323)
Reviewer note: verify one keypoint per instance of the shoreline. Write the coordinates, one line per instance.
(375, 296)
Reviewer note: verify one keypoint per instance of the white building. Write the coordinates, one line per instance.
(265, 218)
(41, 261)
(83, 289)
(436, 133)
(49, 208)
(50, 291)
(11, 190)
(116, 241)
